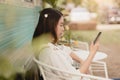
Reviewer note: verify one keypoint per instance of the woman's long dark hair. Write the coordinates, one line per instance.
(47, 23)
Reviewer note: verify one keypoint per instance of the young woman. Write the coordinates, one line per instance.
(47, 33)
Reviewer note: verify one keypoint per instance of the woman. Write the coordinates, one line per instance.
(47, 33)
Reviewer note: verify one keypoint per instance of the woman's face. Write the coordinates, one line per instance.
(60, 28)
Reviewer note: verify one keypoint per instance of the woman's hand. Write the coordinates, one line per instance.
(85, 66)
(94, 47)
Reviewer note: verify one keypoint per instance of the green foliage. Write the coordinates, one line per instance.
(6, 69)
(54, 4)
(16, 28)
(51, 2)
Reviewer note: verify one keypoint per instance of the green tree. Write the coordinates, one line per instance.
(54, 3)
(51, 2)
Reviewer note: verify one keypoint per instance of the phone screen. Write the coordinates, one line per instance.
(97, 37)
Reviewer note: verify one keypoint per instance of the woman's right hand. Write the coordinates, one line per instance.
(93, 48)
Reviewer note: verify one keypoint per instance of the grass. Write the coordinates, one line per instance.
(107, 37)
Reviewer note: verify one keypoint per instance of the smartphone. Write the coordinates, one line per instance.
(98, 35)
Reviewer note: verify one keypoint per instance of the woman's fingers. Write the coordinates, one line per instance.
(94, 47)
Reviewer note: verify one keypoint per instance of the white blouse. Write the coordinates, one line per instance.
(58, 57)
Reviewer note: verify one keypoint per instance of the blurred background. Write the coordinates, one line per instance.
(83, 19)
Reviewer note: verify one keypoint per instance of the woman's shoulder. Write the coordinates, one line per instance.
(46, 52)
(47, 47)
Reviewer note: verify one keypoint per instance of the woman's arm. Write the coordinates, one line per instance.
(69, 51)
(76, 58)
(85, 66)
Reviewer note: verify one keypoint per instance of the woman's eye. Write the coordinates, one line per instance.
(61, 25)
